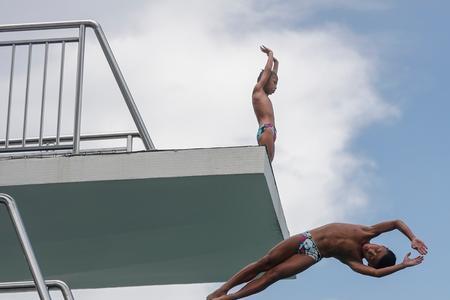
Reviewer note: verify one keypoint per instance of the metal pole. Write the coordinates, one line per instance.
(79, 91)
(20, 286)
(11, 80)
(61, 79)
(123, 88)
(129, 143)
(39, 41)
(46, 25)
(27, 90)
(44, 84)
(26, 245)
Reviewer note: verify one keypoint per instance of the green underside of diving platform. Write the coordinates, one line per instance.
(142, 231)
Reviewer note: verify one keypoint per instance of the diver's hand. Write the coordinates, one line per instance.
(265, 50)
(409, 262)
(419, 246)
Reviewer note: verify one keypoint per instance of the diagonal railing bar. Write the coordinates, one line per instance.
(16, 219)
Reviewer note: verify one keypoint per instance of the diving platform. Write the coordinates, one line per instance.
(141, 218)
(118, 216)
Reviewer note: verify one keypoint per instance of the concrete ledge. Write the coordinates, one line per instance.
(154, 164)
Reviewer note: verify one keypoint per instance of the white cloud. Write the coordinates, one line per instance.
(191, 68)
(205, 76)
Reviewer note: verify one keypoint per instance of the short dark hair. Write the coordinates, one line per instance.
(387, 260)
(262, 71)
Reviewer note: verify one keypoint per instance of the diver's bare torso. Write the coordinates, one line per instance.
(341, 241)
(263, 107)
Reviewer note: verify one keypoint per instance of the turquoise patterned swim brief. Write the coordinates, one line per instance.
(308, 247)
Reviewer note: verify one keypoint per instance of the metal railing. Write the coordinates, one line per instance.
(65, 143)
(16, 219)
(21, 286)
(80, 39)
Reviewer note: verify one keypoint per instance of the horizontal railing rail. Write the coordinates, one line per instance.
(51, 143)
(39, 41)
(23, 286)
(101, 38)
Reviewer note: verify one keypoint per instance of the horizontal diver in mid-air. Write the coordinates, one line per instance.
(348, 243)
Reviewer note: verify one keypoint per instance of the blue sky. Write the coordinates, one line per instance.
(386, 154)
(412, 153)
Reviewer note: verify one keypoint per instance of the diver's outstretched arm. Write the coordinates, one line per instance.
(267, 69)
(361, 268)
(275, 65)
(416, 243)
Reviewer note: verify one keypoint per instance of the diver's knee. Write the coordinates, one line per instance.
(266, 262)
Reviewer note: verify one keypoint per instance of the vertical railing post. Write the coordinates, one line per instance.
(61, 85)
(44, 86)
(11, 80)
(129, 143)
(79, 90)
(26, 245)
(27, 91)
